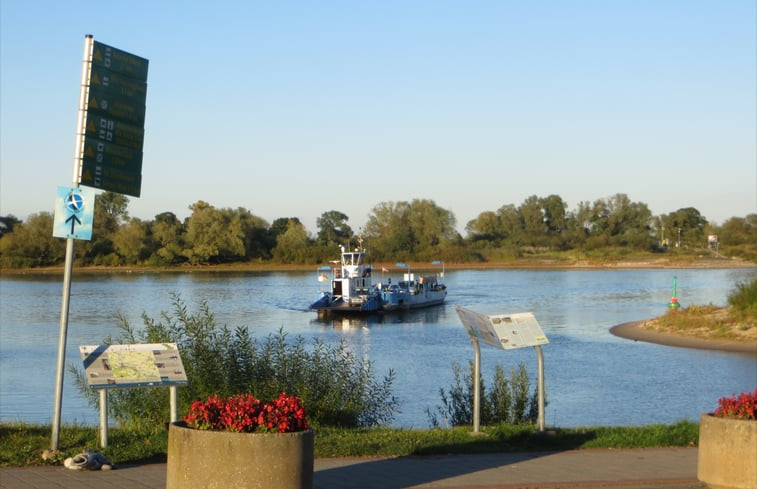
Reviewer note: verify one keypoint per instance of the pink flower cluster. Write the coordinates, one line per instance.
(246, 414)
(742, 407)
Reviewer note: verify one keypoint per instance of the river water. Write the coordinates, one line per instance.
(592, 377)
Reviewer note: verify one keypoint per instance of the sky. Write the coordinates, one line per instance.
(295, 108)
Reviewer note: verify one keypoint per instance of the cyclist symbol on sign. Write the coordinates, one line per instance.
(74, 203)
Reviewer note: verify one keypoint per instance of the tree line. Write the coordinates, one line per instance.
(417, 230)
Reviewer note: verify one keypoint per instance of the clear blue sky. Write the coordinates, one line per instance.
(295, 108)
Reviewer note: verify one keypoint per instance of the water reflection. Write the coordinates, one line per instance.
(428, 315)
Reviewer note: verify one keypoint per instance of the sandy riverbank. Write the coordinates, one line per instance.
(635, 331)
(701, 262)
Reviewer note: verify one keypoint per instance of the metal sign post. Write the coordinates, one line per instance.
(476, 385)
(540, 385)
(68, 268)
(506, 332)
(107, 155)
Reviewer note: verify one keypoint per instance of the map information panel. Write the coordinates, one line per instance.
(138, 365)
(505, 331)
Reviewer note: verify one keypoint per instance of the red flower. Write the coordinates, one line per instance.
(245, 414)
(742, 407)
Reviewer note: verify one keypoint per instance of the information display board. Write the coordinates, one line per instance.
(137, 365)
(505, 331)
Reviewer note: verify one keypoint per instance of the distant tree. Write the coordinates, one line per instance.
(739, 231)
(114, 207)
(738, 237)
(130, 241)
(388, 233)
(532, 215)
(333, 228)
(685, 227)
(579, 225)
(486, 227)
(257, 239)
(554, 213)
(405, 230)
(292, 244)
(110, 212)
(512, 225)
(214, 235)
(166, 239)
(432, 224)
(7, 223)
(31, 244)
(279, 226)
(622, 222)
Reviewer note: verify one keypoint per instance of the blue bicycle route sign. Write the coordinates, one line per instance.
(74, 212)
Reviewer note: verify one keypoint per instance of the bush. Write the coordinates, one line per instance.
(507, 401)
(743, 300)
(337, 388)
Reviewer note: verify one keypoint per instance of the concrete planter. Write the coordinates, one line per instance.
(221, 460)
(727, 452)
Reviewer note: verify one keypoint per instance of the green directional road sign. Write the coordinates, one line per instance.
(134, 91)
(111, 156)
(119, 61)
(114, 131)
(111, 105)
(97, 152)
(109, 178)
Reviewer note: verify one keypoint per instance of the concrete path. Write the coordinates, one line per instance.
(669, 468)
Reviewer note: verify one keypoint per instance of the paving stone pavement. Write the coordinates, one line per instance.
(653, 468)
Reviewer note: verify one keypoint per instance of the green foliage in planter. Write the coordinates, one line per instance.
(337, 388)
(507, 401)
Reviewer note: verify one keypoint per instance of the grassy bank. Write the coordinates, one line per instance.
(23, 444)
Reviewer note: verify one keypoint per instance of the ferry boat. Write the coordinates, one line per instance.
(351, 289)
(412, 293)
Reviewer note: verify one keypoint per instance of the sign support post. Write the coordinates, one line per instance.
(476, 385)
(173, 399)
(103, 418)
(540, 388)
(68, 268)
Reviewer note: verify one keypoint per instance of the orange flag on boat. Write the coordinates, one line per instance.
(322, 278)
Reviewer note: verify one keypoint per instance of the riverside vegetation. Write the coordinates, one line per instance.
(540, 229)
(347, 405)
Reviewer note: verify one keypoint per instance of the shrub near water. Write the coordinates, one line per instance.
(337, 388)
(507, 401)
(743, 300)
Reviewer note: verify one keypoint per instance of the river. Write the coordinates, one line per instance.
(592, 377)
